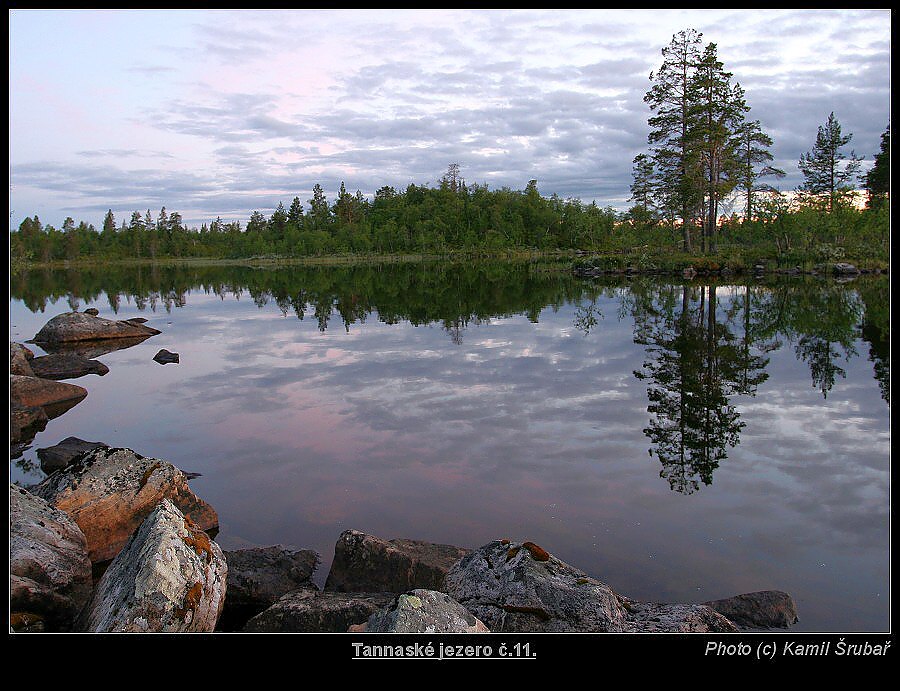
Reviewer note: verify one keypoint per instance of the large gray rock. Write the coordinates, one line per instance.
(313, 611)
(258, 576)
(423, 611)
(65, 453)
(49, 569)
(20, 359)
(66, 366)
(766, 609)
(78, 326)
(364, 563)
(110, 491)
(170, 577)
(521, 587)
(51, 395)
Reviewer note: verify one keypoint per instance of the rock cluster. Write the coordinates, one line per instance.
(71, 339)
(165, 573)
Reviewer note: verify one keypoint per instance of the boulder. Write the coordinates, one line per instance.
(66, 366)
(313, 611)
(765, 609)
(422, 611)
(520, 587)
(60, 455)
(78, 326)
(364, 563)
(257, 577)
(34, 391)
(170, 577)
(20, 359)
(844, 269)
(164, 357)
(49, 569)
(93, 311)
(110, 491)
(25, 422)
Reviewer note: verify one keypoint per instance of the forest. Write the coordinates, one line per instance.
(704, 188)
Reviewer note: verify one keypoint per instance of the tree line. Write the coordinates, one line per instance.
(705, 154)
(453, 215)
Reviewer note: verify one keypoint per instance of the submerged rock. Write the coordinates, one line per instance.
(49, 569)
(110, 491)
(66, 366)
(423, 611)
(313, 611)
(366, 563)
(170, 577)
(20, 360)
(257, 577)
(766, 609)
(164, 357)
(55, 397)
(521, 587)
(78, 326)
(70, 449)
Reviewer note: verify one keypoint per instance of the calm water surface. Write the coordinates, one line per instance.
(680, 442)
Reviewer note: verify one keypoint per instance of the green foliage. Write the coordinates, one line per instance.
(829, 176)
(878, 179)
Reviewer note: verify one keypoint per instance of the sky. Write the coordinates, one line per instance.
(223, 112)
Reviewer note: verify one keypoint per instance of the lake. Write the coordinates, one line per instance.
(681, 442)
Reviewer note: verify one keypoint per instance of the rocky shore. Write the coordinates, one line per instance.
(114, 541)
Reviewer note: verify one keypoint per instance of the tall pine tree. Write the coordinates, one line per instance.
(828, 173)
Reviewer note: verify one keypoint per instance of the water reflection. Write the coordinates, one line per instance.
(705, 346)
(460, 404)
(694, 366)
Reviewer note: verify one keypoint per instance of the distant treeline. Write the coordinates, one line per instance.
(450, 217)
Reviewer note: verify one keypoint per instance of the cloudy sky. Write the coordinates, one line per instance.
(224, 112)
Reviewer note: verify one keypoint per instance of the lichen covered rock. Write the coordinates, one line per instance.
(521, 587)
(110, 491)
(170, 577)
(49, 569)
(423, 611)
